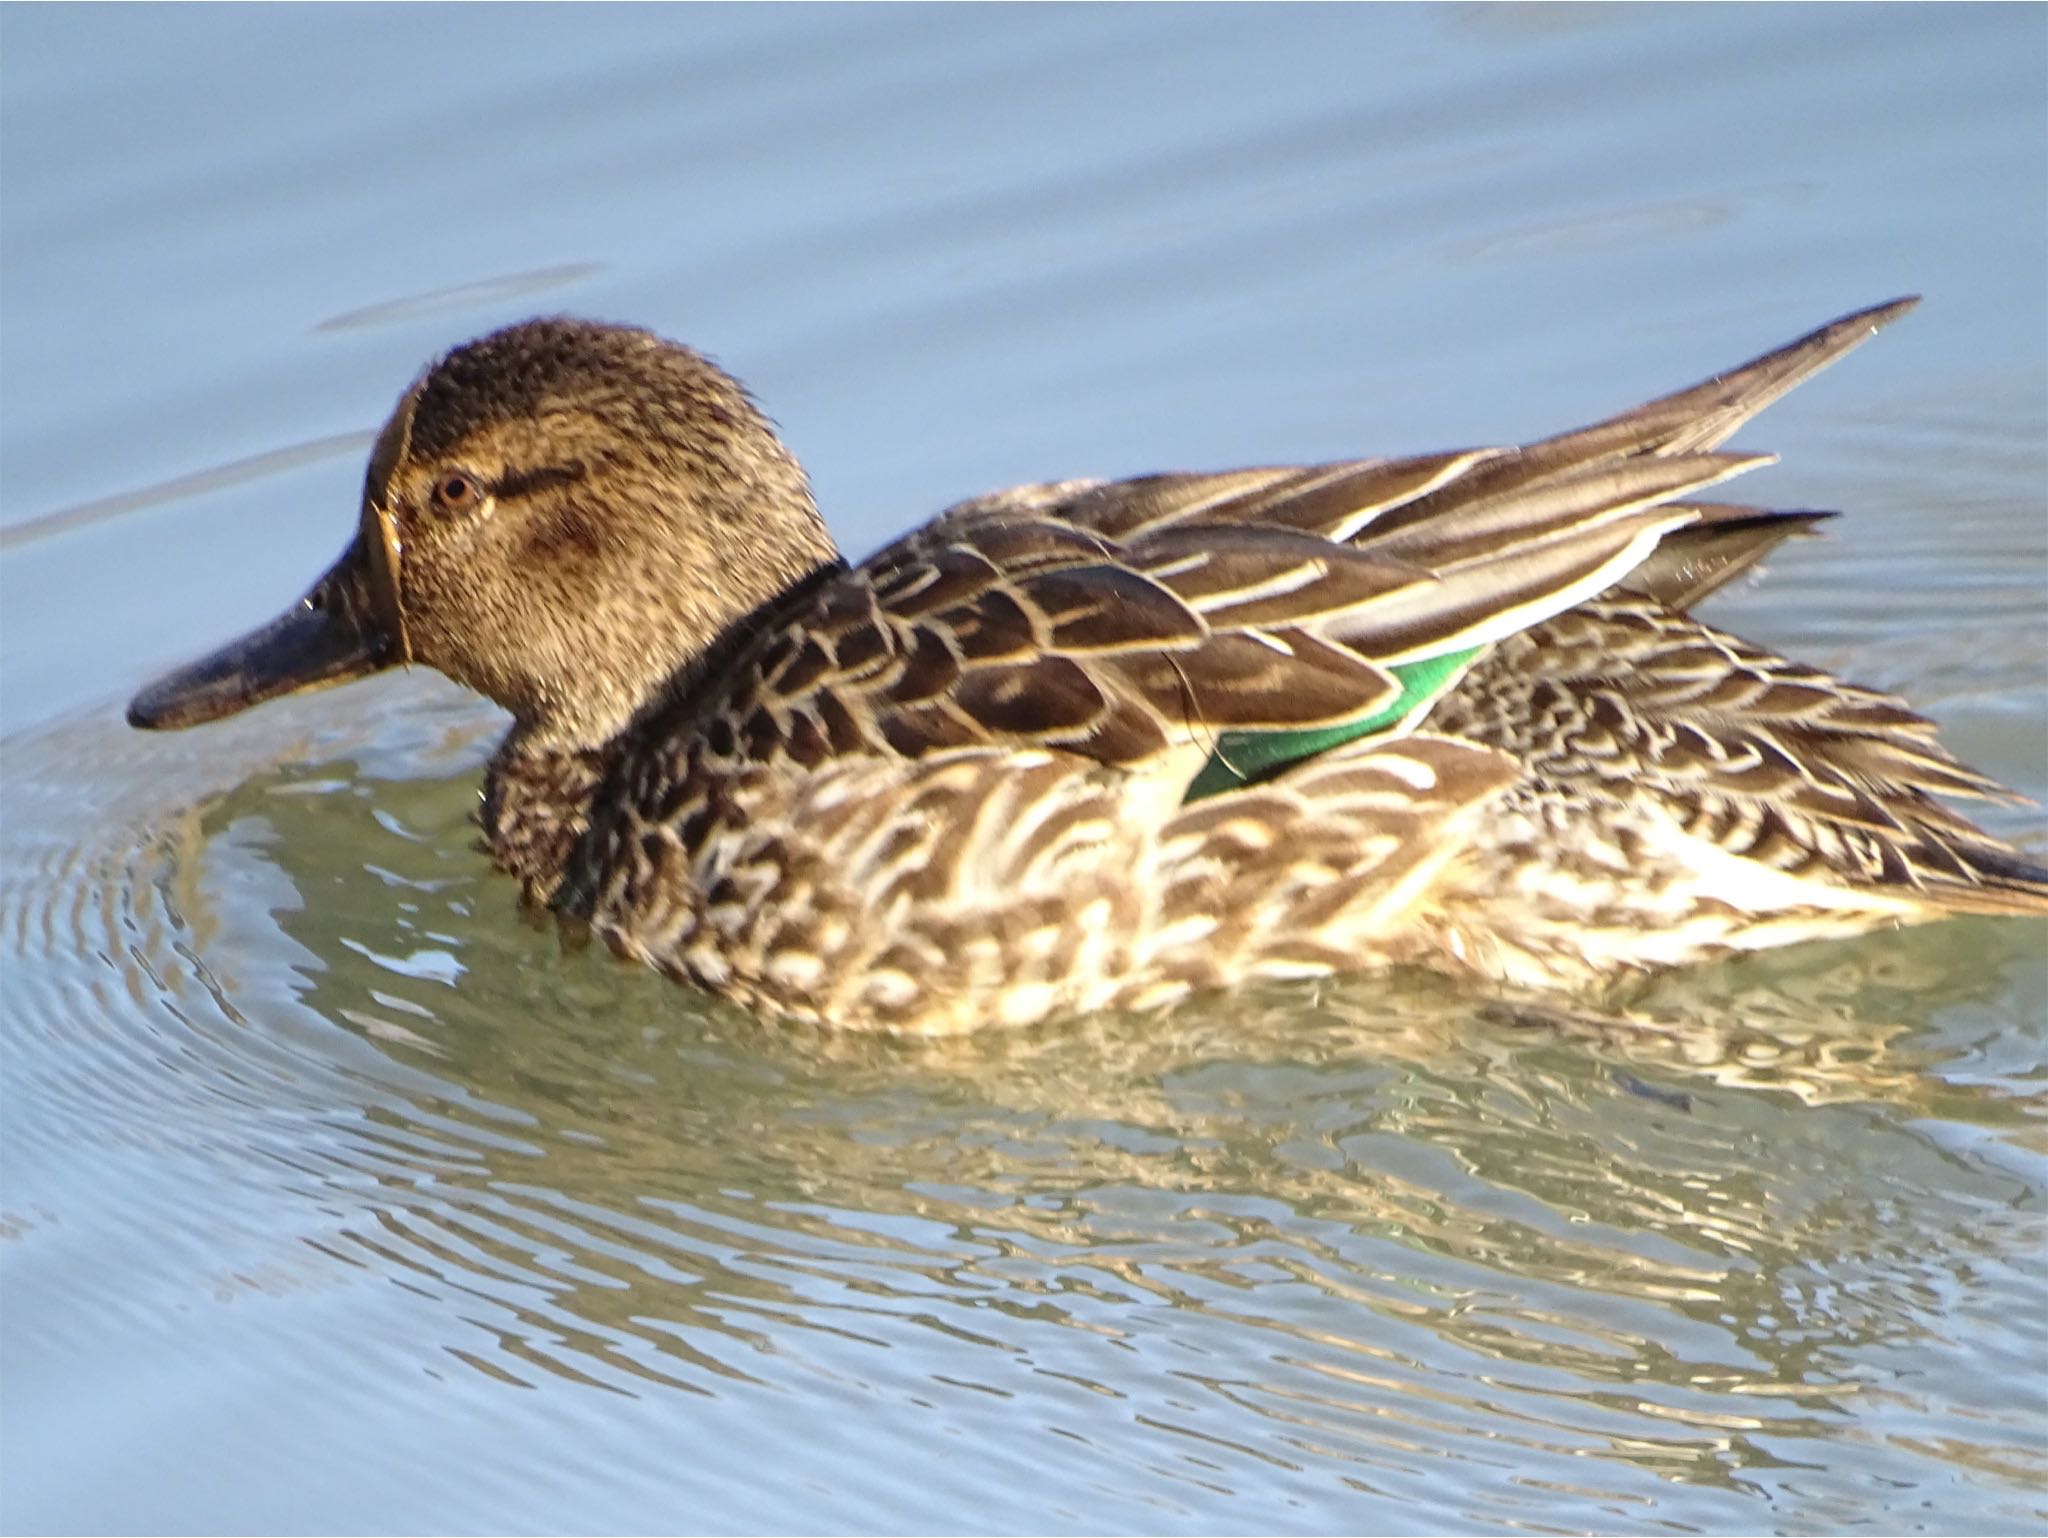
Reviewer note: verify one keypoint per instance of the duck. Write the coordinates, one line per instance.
(1088, 745)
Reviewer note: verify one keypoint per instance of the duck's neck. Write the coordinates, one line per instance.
(537, 802)
(543, 782)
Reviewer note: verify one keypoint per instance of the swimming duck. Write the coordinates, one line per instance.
(1096, 744)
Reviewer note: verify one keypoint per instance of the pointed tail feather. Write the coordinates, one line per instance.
(1695, 562)
(1709, 412)
(1998, 880)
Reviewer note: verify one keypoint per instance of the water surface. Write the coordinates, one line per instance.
(336, 1198)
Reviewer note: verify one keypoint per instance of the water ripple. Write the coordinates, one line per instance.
(1318, 1246)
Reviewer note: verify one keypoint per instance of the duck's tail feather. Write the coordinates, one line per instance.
(1997, 880)
(1708, 413)
(1694, 562)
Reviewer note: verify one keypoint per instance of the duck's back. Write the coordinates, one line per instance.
(1090, 745)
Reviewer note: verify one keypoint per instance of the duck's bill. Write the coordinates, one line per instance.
(335, 633)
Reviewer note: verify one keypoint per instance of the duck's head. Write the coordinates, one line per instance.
(559, 515)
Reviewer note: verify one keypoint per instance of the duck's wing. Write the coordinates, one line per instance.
(1266, 612)
(1395, 504)
(1047, 630)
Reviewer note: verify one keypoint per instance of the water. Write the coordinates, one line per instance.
(336, 1198)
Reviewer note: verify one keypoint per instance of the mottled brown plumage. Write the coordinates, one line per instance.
(1092, 745)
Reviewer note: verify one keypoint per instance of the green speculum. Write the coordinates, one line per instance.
(1244, 758)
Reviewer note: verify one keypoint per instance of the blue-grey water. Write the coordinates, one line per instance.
(332, 1197)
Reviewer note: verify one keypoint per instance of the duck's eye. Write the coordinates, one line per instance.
(458, 492)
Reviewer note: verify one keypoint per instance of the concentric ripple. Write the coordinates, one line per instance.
(291, 1091)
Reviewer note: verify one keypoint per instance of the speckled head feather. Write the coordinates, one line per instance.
(580, 510)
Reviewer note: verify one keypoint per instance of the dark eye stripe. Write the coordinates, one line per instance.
(521, 483)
